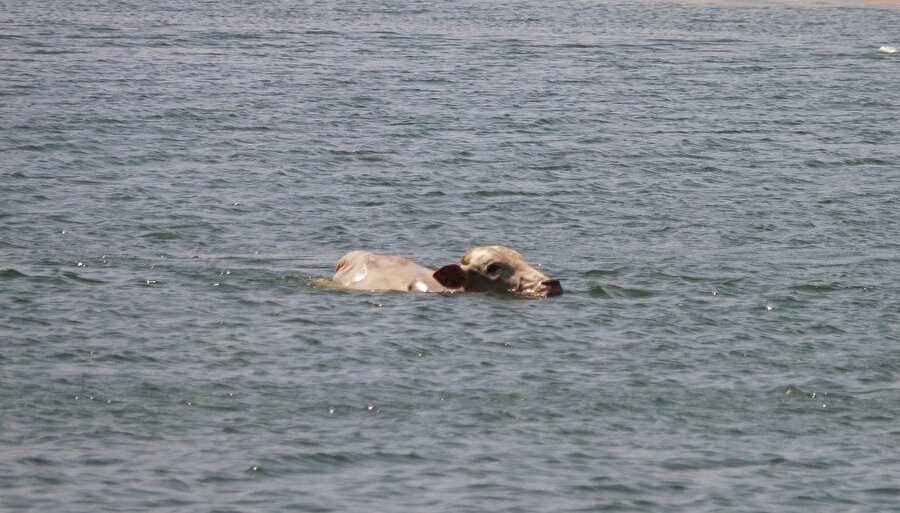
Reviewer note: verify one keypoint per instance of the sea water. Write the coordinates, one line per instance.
(716, 185)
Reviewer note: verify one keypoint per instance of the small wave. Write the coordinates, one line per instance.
(818, 288)
(602, 272)
(81, 279)
(889, 491)
(163, 236)
(614, 291)
(9, 273)
(796, 391)
(887, 49)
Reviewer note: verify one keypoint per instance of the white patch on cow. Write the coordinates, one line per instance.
(420, 286)
(360, 275)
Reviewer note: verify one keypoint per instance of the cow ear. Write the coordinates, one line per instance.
(451, 276)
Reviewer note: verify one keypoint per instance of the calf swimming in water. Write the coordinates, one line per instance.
(482, 269)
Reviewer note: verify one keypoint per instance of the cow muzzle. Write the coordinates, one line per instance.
(551, 288)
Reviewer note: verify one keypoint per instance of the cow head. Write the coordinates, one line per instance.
(497, 269)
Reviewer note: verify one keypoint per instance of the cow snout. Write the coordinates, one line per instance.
(554, 287)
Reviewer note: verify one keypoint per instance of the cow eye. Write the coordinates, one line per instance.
(493, 269)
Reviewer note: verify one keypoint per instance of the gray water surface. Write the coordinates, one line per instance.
(716, 185)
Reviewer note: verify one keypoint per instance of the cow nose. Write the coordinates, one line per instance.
(554, 288)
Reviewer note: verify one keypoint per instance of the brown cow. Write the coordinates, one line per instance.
(482, 269)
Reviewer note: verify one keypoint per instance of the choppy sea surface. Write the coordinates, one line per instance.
(717, 185)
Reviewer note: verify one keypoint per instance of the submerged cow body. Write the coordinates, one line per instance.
(482, 269)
